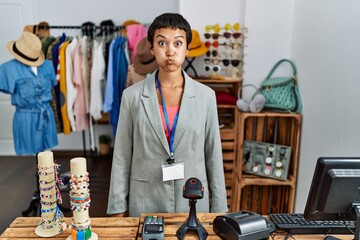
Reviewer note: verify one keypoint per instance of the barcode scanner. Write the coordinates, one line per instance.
(193, 190)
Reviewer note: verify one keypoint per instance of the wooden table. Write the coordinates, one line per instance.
(131, 228)
(105, 228)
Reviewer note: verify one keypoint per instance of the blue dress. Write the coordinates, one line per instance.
(34, 127)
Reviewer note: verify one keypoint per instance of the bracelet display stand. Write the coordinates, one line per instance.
(51, 223)
(80, 201)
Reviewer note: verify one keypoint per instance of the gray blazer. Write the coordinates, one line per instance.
(141, 148)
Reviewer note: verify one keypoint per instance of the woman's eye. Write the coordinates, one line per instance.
(161, 43)
(178, 44)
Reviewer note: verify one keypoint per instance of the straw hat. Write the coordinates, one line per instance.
(27, 49)
(41, 30)
(196, 48)
(144, 61)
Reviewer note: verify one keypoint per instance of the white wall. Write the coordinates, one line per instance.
(325, 47)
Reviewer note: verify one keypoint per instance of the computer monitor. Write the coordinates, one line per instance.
(335, 191)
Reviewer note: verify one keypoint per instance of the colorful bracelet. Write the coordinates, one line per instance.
(81, 234)
(45, 182)
(80, 209)
(48, 210)
(79, 176)
(47, 203)
(47, 188)
(81, 224)
(47, 196)
(74, 194)
(80, 200)
(45, 173)
(86, 179)
(74, 204)
(45, 168)
(76, 187)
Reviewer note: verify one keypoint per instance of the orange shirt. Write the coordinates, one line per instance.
(171, 111)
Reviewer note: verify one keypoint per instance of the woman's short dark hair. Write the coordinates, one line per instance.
(170, 20)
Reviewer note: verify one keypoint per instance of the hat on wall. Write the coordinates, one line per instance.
(144, 61)
(27, 49)
(130, 22)
(196, 47)
(41, 30)
(107, 27)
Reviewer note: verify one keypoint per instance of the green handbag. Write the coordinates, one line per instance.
(281, 93)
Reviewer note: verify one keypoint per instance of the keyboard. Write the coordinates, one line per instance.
(297, 224)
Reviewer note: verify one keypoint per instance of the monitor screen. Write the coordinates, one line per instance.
(334, 189)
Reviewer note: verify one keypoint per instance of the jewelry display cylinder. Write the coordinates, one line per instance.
(80, 200)
(51, 223)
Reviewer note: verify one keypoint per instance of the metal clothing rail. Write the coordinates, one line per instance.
(80, 27)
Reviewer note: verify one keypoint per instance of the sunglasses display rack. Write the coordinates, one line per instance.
(224, 60)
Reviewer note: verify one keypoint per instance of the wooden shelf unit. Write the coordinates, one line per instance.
(260, 194)
(229, 117)
(229, 142)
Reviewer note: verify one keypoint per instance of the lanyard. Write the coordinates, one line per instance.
(172, 132)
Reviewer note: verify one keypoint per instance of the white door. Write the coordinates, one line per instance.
(15, 14)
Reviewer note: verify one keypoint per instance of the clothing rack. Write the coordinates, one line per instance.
(87, 27)
(86, 30)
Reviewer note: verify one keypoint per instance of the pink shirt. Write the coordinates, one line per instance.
(171, 111)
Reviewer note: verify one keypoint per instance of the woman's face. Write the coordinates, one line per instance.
(169, 48)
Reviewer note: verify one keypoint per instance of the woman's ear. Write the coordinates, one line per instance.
(152, 51)
(187, 52)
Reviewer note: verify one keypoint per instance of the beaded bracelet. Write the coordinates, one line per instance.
(45, 182)
(80, 204)
(80, 224)
(45, 173)
(47, 227)
(45, 168)
(80, 209)
(76, 187)
(79, 200)
(48, 203)
(47, 188)
(48, 210)
(47, 196)
(86, 179)
(79, 176)
(74, 194)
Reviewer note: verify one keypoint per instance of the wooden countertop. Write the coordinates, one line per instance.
(131, 228)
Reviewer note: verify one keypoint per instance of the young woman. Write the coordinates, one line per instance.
(167, 132)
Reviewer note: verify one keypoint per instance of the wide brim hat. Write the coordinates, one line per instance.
(197, 47)
(107, 27)
(144, 61)
(41, 30)
(27, 49)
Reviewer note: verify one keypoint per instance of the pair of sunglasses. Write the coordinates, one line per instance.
(214, 68)
(233, 45)
(235, 35)
(226, 62)
(214, 53)
(215, 44)
(212, 35)
(216, 28)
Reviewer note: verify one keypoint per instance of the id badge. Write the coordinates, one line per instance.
(173, 171)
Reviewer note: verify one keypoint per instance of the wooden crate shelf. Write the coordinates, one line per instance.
(261, 194)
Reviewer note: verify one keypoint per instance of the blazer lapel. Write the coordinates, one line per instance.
(187, 109)
(151, 105)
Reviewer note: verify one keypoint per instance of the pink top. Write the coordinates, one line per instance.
(171, 111)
